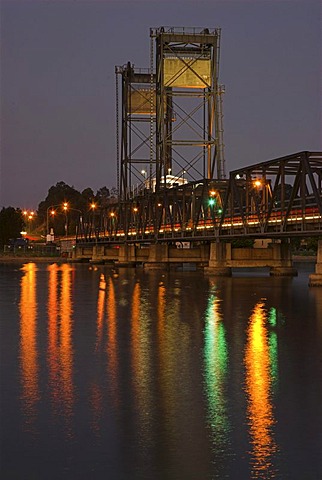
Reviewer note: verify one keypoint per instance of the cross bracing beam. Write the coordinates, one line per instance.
(274, 199)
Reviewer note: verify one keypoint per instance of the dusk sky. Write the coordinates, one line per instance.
(58, 83)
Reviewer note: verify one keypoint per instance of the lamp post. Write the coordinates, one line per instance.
(66, 208)
(144, 175)
(92, 207)
(29, 216)
(52, 213)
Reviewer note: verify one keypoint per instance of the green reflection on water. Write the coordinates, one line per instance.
(273, 349)
(216, 365)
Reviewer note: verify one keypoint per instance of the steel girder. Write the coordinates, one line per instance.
(281, 197)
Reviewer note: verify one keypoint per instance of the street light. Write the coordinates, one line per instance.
(92, 218)
(52, 213)
(65, 207)
(29, 215)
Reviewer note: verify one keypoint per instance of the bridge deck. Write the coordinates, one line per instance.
(277, 198)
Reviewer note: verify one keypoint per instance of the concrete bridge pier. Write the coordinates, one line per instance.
(219, 257)
(126, 255)
(282, 258)
(98, 252)
(315, 279)
(158, 256)
(277, 256)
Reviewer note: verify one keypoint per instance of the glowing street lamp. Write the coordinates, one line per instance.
(66, 208)
(29, 216)
(52, 212)
(93, 207)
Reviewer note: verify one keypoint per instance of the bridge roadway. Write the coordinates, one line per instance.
(276, 200)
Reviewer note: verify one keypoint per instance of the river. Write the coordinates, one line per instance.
(131, 374)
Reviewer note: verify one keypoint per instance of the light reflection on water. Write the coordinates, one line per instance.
(29, 361)
(60, 344)
(216, 367)
(259, 394)
(111, 341)
(145, 372)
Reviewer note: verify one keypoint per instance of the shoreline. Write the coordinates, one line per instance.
(18, 259)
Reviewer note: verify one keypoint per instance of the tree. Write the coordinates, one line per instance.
(103, 196)
(57, 196)
(11, 224)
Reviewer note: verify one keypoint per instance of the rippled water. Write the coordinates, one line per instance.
(131, 374)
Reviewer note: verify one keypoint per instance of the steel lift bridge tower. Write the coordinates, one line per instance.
(171, 114)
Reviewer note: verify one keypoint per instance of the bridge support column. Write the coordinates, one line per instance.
(127, 255)
(220, 254)
(158, 256)
(77, 252)
(282, 255)
(98, 253)
(315, 279)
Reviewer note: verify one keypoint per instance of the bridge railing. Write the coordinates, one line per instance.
(276, 198)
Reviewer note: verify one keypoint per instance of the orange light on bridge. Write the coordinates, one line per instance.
(257, 183)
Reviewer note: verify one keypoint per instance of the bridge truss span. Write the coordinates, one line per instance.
(274, 199)
(277, 197)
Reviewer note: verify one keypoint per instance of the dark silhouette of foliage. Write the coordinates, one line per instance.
(79, 207)
(11, 224)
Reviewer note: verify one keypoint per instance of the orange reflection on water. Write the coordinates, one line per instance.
(28, 342)
(100, 314)
(112, 335)
(53, 352)
(161, 308)
(258, 389)
(66, 347)
(135, 328)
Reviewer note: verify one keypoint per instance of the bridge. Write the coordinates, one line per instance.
(172, 184)
(273, 201)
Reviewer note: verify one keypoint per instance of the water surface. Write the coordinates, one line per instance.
(128, 374)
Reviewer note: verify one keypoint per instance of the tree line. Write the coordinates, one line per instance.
(13, 221)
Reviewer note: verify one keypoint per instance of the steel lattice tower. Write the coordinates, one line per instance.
(171, 117)
(187, 103)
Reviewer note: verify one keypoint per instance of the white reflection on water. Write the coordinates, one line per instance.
(259, 384)
(29, 367)
(142, 365)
